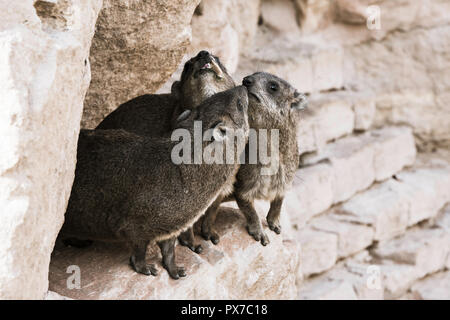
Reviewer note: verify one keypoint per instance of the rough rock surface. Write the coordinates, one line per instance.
(44, 49)
(409, 74)
(410, 266)
(226, 28)
(136, 47)
(237, 268)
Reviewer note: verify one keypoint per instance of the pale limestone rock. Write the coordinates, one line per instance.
(54, 296)
(364, 108)
(407, 72)
(405, 16)
(358, 276)
(237, 268)
(425, 249)
(352, 237)
(329, 117)
(393, 278)
(428, 190)
(395, 204)
(243, 16)
(352, 12)
(44, 77)
(313, 187)
(137, 46)
(279, 15)
(434, 287)
(353, 163)
(397, 278)
(351, 160)
(327, 290)
(381, 207)
(394, 149)
(352, 168)
(314, 15)
(318, 250)
(212, 31)
(447, 264)
(308, 66)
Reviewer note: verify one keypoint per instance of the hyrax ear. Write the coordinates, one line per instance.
(175, 90)
(299, 102)
(220, 132)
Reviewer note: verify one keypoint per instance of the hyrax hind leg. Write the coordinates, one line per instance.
(254, 226)
(208, 231)
(137, 259)
(187, 239)
(273, 217)
(168, 254)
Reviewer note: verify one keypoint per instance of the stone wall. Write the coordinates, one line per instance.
(44, 50)
(136, 47)
(377, 131)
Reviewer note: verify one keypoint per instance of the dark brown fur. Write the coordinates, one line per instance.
(154, 114)
(273, 104)
(127, 188)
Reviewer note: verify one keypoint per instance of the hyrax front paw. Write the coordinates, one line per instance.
(175, 272)
(187, 242)
(142, 267)
(256, 232)
(274, 225)
(209, 234)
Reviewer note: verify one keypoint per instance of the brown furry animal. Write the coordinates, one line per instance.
(153, 114)
(127, 187)
(273, 104)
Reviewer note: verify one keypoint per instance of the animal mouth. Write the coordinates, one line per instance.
(211, 66)
(254, 95)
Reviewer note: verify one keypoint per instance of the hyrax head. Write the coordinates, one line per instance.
(223, 117)
(272, 100)
(202, 76)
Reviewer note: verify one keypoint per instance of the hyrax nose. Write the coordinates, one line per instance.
(248, 81)
(203, 54)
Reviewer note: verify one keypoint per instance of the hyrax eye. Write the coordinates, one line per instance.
(273, 86)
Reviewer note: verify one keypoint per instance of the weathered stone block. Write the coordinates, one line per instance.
(425, 249)
(394, 148)
(313, 187)
(352, 238)
(279, 15)
(43, 80)
(434, 287)
(318, 250)
(137, 46)
(380, 207)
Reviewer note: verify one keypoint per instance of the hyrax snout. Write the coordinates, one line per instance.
(274, 106)
(128, 187)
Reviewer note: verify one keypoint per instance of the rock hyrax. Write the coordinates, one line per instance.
(154, 114)
(127, 187)
(273, 104)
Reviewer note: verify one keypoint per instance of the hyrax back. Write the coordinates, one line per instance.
(127, 188)
(273, 105)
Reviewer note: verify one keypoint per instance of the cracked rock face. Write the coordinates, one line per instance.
(136, 47)
(44, 46)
